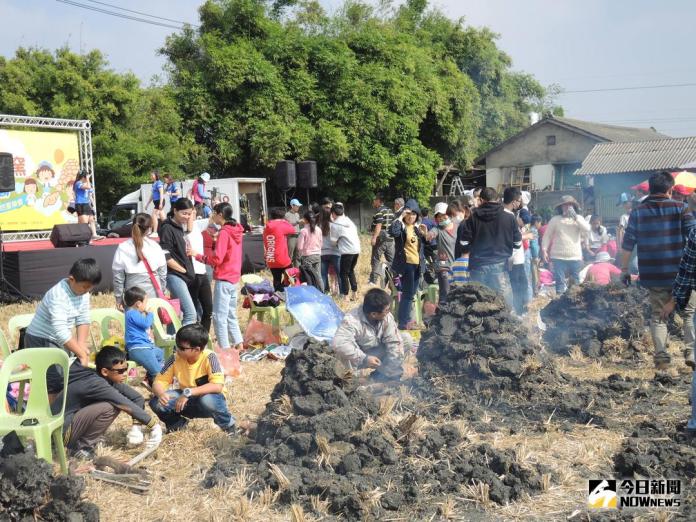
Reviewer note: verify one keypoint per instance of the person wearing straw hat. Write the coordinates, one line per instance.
(562, 242)
(603, 270)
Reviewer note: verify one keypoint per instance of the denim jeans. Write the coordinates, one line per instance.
(518, 282)
(691, 425)
(180, 290)
(210, 405)
(561, 268)
(528, 272)
(326, 262)
(409, 285)
(494, 277)
(225, 321)
(443, 282)
(149, 357)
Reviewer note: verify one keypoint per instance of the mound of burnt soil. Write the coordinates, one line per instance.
(324, 436)
(475, 340)
(593, 317)
(29, 490)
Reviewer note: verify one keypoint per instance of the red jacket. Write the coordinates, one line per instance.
(275, 243)
(226, 258)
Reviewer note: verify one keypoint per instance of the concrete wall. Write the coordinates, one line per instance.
(531, 148)
(494, 177)
(541, 176)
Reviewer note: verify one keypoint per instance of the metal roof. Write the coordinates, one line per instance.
(639, 156)
(595, 131)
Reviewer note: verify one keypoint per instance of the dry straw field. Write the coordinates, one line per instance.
(572, 451)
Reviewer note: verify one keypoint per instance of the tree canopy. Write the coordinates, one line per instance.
(380, 96)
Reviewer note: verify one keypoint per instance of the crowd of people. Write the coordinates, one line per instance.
(499, 242)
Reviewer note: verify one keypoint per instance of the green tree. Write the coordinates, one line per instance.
(358, 93)
(134, 129)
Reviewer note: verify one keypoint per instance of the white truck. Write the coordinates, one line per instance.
(246, 195)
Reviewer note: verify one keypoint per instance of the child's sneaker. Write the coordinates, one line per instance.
(135, 436)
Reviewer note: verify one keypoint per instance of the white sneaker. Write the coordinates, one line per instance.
(135, 436)
(155, 435)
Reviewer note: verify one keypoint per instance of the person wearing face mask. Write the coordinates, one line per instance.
(446, 235)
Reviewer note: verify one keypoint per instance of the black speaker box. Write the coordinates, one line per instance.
(7, 182)
(307, 174)
(285, 175)
(71, 235)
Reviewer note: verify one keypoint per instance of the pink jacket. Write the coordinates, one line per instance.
(308, 243)
(226, 258)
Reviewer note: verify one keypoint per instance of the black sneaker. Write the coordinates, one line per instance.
(83, 454)
(177, 426)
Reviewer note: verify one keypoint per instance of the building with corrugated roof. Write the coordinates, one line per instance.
(546, 155)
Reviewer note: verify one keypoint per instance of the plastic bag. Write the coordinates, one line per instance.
(258, 334)
(229, 360)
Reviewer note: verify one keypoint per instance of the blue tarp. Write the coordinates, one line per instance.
(315, 312)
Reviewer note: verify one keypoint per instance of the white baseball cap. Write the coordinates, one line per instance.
(440, 208)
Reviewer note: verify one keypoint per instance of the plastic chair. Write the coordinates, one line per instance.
(5, 349)
(163, 339)
(104, 316)
(274, 312)
(37, 421)
(16, 323)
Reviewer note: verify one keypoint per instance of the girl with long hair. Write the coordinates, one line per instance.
(128, 267)
(309, 247)
(181, 276)
(330, 257)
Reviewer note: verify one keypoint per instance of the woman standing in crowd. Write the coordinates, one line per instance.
(82, 189)
(201, 293)
(128, 267)
(409, 261)
(226, 260)
(309, 244)
(181, 277)
(275, 246)
(562, 242)
(157, 199)
(344, 235)
(330, 256)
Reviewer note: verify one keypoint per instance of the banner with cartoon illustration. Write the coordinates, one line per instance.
(45, 165)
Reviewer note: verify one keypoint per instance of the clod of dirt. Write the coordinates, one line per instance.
(475, 340)
(322, 435)
(28, 488)
(601, 320)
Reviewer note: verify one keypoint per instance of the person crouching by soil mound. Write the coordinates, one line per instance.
(323, 437)
(475, 340)
(593, 317)
(30, 491)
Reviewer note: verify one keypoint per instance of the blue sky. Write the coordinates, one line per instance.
(579, 44)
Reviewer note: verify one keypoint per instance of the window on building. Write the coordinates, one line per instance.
(550, 140)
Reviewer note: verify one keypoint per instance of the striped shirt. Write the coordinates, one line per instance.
(685, 281)
(384, 216)
(58, 313)
(460, 271)
(658, 226)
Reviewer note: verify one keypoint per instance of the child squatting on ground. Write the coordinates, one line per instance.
(200, 383)
(95, 398)
(139, 344)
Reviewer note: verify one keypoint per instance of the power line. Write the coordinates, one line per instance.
(610, 89)
(139, 12)
(119, 15)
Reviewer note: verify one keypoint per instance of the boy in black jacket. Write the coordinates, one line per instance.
(94, 400)
(489, 236)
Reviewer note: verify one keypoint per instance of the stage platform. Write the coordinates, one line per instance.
(33, 267)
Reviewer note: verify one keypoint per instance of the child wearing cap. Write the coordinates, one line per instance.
(603, 270)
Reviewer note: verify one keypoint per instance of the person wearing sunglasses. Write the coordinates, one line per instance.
(95, 398)
(200, 378)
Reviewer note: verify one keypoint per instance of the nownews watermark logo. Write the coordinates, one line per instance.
(652, 494)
